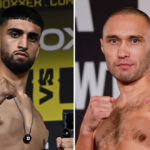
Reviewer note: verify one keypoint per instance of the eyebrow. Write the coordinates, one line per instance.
(130, 36)
(34, 34)
(136, 36)
(21, 31)
(15, 29)
(111, 36)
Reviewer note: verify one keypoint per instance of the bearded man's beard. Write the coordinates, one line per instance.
(16, 66)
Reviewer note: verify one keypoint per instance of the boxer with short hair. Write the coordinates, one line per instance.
(21, 125)
(122, 124)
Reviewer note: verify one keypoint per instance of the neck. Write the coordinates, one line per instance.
(134, 90)
(17, 80)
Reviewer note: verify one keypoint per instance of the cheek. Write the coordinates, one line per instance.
(110, 57)
(7, 42)
(110, 61)
(110, 53)
(33, 50)
(110, 50)
(142, 60)
(7, 46)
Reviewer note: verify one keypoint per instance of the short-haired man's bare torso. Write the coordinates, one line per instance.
(12, 127)
(127, 128)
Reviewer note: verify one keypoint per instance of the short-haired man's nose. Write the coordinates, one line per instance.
(23, 43)
(123, 50)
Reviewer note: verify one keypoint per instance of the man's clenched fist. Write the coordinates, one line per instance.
(7, 90)
(100, 107)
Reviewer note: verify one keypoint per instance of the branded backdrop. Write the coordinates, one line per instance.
(50, 82)
(91, 74)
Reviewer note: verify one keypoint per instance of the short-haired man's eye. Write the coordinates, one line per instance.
(113, 41)
(33, 38)
(135, 40)
(14, 34)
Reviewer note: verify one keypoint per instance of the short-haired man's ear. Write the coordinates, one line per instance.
(101, 42)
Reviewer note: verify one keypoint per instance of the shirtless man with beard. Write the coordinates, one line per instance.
(21, 126)
(124, 123)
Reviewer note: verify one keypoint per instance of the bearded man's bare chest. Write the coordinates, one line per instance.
(12, 129)
(126, 128)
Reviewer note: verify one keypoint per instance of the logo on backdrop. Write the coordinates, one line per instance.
(61, 36)
(84, 19)
(4, 4)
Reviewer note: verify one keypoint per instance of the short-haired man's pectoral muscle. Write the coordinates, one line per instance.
(126, 128)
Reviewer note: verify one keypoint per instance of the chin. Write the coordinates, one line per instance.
(126, 80)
